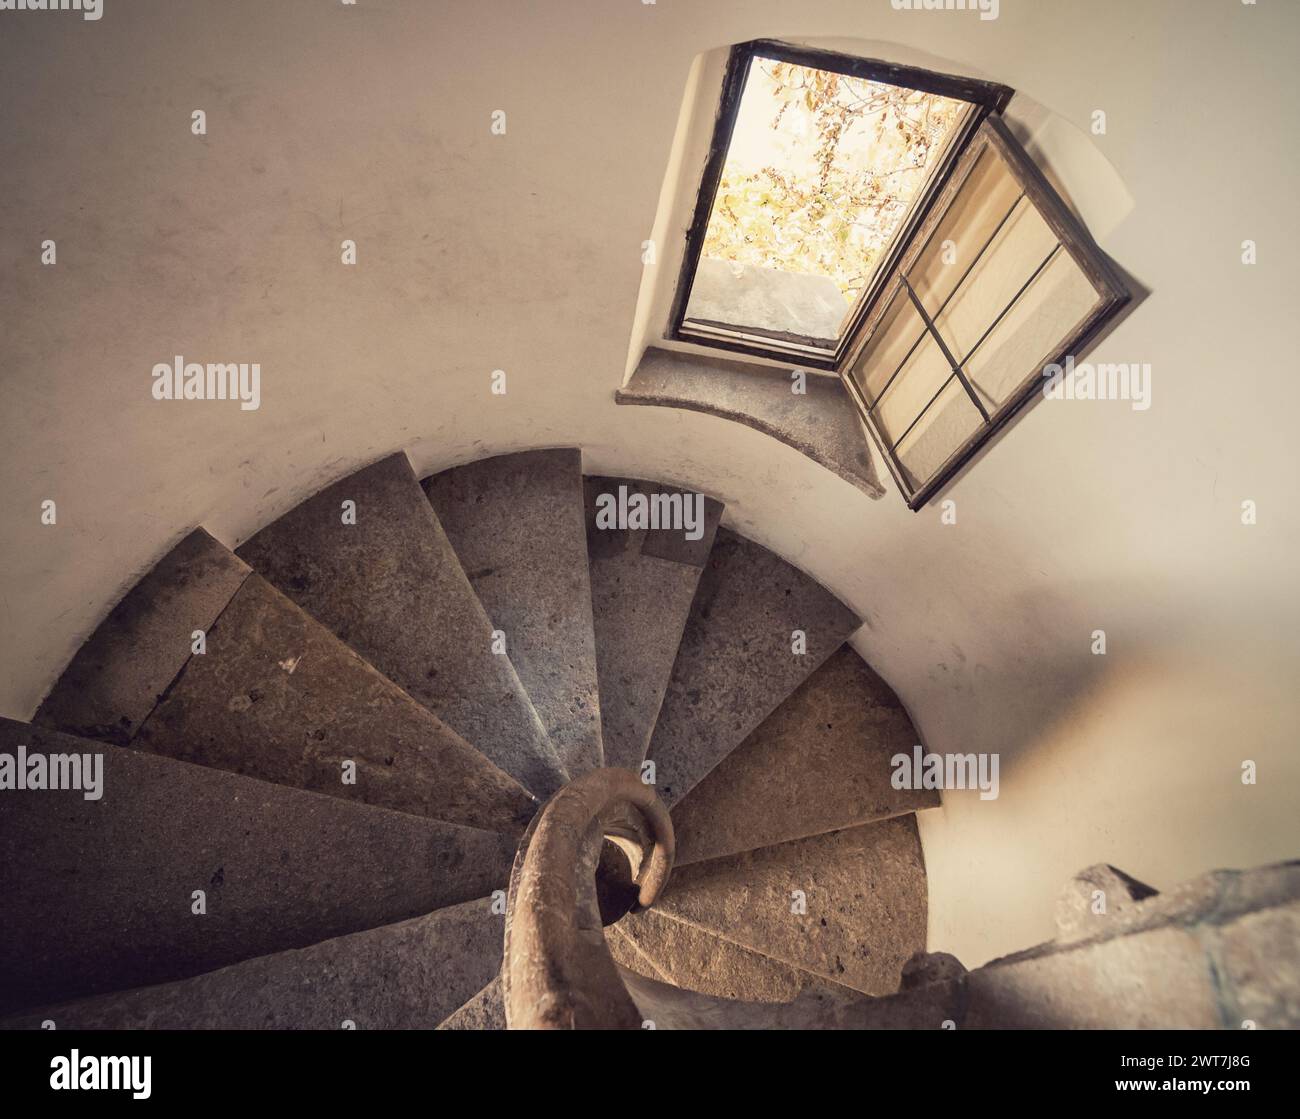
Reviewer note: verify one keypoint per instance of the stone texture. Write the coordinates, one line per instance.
(391, 587)
(736, 662)
(409, 975)
(628, 955)
(277, 696)
(1156, 979)
(1256, 956)
(558, 973)
(828, 1007)
(1215, 952)
(865, 894)
(485, 1011)
(1076, 916)
(642, 584)
(1214, 898)
(97, 894)
(818, 763)
(822, 423)
(116, 677)
(516, 524)
(1257, 888)
(926, 968)
(700, 961)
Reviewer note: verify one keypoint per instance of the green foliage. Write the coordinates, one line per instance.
(836, 211)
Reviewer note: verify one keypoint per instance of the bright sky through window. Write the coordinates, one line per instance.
(821, 172)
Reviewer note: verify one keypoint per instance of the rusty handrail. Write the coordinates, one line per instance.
(558, 973)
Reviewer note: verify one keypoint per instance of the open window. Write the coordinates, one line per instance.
(881, 222)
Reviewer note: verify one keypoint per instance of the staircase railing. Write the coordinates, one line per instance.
(558, 973)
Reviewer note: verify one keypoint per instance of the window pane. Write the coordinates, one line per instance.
(1050, 309)
(985, 199)
(923, 375)
(946, 424)
(897, 333)
(1014, 298)
(1018, 250)
(821, 171)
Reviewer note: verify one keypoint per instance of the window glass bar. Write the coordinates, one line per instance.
(893, 447)
(947, 353)
(948, 298)
(956, 366)
(1014, 300)
(906, 357)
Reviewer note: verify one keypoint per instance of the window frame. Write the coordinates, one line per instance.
(1072, 237)
(984, 127)
(985, 97)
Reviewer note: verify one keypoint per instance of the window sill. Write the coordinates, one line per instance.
(821, 424)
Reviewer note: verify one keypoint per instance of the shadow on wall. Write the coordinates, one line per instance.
(1131, 756)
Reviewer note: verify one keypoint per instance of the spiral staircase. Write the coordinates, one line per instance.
(321, 752)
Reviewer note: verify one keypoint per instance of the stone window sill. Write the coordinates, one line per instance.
(821, 423)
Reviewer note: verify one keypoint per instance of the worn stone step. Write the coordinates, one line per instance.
(98, 894)
(827, 1007)
(391, 587)
(404, 976)
(642, 584)
(485, 1011)
(849, 906)
(820, 762)
(516, 524)
(697, 960)
(117, 676)
(627, 954)
(277, 696)
(741, 654)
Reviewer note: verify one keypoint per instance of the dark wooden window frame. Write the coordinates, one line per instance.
(1071, 236)
(985, 97)
(984, 127)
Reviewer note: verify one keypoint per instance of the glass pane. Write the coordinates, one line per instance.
(922, 377)
(821, 172)
(986, 197)
(1048, 312)
(946, 424)
(1020, 247)
(1022, 301)
(897, 333)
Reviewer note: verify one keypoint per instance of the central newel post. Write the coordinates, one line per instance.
(558, 973)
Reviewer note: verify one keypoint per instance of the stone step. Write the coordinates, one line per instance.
(485, 1011)
(697, 960)
(820, 762)
(277, 696)
(737, 660)
(828, 1007)
(98, 894)
(516, 524)
(862, 891)
(1215, 952)
(391, 587)
(627, 954)
(406, 976)
(642, 584)
(130, 660)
